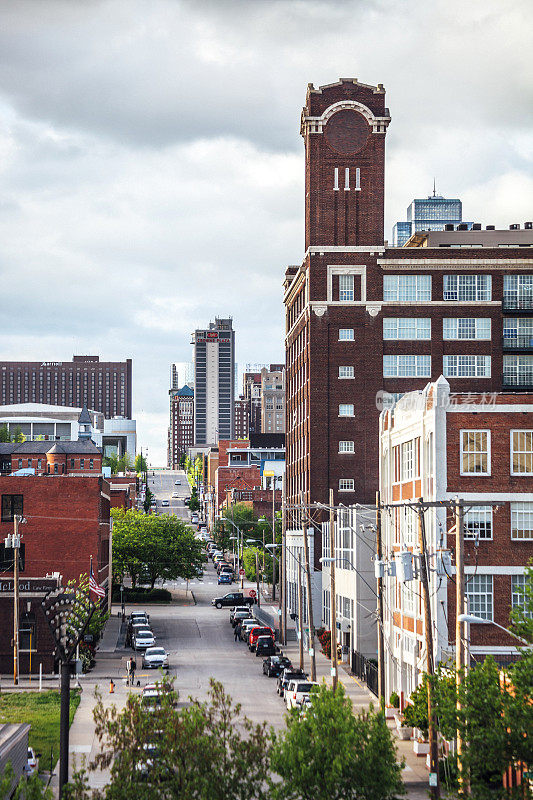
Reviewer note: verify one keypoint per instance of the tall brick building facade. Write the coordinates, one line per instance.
(181, 428)
(363, 319)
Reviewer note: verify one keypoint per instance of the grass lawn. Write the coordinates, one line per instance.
(41, 711)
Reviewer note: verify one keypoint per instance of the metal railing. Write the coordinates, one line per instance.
(365, 670)
(524, 378)
(521, 341)
(513, 302)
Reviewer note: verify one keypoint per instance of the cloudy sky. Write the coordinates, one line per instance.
(152, 169)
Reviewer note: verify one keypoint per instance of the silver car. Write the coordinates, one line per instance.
(143, 639)
(155, 658)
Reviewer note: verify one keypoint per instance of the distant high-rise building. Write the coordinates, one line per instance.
(101, 385)
(241, 419)
(273, 399)
(182, 372)
(251, 389)
(430, 213)
(181, 430)
(214, 382)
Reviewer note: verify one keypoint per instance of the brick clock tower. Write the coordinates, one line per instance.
(331, 327)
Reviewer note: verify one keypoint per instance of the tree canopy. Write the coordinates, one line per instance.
(151, 546)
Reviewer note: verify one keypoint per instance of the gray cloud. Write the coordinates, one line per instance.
(151, 169)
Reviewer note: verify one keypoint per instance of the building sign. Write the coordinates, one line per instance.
(52, 364)
(40, 585)
(212, 336)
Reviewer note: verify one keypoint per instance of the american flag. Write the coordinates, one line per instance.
(93, 586)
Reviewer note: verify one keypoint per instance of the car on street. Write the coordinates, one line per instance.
(194, 519)
(265, 646)
(297, 691)
(238, 612)
(153, 504)
(165, 503)
(155, 658)
(246, 627)
(255, 633)
(143, 639)
(287, 675)
(225, 579)
(177, 483)
(175, 494)
(274, 665)
(150, 699)
(186, 501)
(232, 599)
(139, 615)
(223, 566)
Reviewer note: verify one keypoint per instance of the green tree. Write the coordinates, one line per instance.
(250, 561)
(194, 503)
(161, 547)
(237, 766)
(28, 788)
(112, 462)
(522, 615)
(221, 535)
(124, 463)
(4, 434)
(140, 464)
(18, 436)
(332, 754)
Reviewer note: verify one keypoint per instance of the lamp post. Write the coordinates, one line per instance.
(12, 541)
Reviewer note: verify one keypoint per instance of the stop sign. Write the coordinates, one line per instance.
(241, 573)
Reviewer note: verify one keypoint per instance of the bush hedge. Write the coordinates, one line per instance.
(141, 595)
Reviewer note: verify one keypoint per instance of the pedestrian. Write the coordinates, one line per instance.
(133, 668)
(236, 632)
(128, 672)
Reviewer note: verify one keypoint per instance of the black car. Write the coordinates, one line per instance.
(232, 599)
(274, 665)
(286, 676)
(265, 646)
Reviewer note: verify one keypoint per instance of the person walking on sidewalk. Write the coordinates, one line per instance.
(235, 633)
(128, 672)
(133, 668)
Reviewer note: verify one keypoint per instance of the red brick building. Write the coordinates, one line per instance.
(440, 445)
(241, 418)
(181, 430)
(363, 319)
(80, 457)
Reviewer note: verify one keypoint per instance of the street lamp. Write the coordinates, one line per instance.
(481, 621)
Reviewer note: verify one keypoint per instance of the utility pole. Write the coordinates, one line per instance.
(430, 667)
(459, 629)
(273, 536)
(16, 545)
(381, 643)
(257, 579)
(333, 603)
(300, 615)
(310, 621)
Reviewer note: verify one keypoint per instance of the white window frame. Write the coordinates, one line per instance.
(346, 446)
(484, 519)
(463, 452)
(347, 292)
(451, 329)
(523, 452)
(346, 373)
(346, 405)
(457, 286)
(480, 586)
(451, 369)
(518, 585)
(397, 328)
(522, 510)
(421, 366)
(397, 288)
(349, 337)
(346, 485)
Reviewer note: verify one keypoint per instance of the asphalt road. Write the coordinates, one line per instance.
(163, 486)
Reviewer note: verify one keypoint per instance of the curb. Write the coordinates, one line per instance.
(194, 598)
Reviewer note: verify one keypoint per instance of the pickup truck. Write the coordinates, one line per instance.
(232, 599)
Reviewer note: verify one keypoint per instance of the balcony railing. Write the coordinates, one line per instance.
(523, 380)
(521, 341)
(513, 302)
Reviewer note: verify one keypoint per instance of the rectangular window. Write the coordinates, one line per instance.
(82, 463)
(466, 328)
(346, 485)
(346, 288)
(11, 505)
(467, 288)
(336, 179)
(466, 366)
(346, 372)
(407, 366)
(357, 179)
(522, 520)
(346, 410)
(518, 370)
(475, 455)
(406, 328)
(29, 462)
(518, 291)
(347, 179)
(91, 463)
(518, 592)
(39, 463)
(407, 288)
(409, 599)
(521, 452)
(346, 335)
(518, 332)
(409, 460)
(346, 447)
(479, 595)
(478, 523)
(72, 463)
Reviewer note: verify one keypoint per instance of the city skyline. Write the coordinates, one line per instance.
(137, 192)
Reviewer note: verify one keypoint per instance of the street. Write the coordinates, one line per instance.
(163, 486)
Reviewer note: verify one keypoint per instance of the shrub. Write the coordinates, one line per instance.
(394, 700)
(140, 595)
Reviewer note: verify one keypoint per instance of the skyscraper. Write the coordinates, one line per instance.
(214, 389)
(430, 213)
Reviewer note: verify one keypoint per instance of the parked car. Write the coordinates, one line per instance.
(141, 625)
(186, 501)
(150, 699)
(288, 674)
(223, 566)
(234, 612)
(165, 503)
(274, 665)
(194, 518)
(143, 639)
(175, 494)
(139, 615)
(155, 658)
(177, 483)
(225, 579)
(259, 631)
(153, 504)
(297, 691)
(246, 627)
(265, 646)
(232, 599)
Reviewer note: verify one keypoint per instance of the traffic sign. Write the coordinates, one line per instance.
(252, 593)
(241, 573)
